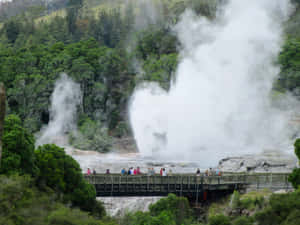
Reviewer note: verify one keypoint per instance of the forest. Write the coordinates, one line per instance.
(109, 47)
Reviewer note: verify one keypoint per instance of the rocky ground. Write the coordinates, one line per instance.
(270, 161)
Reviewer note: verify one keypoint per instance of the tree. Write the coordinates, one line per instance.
(177, 208)
(62, 173)
(2, 115)
(294, 177)
(72, 14)
(18, 148)
(12, 29)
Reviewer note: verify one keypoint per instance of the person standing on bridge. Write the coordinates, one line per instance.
(138, 171)
(198, 173)
(131, 171)
(164, 172)
(152, 171)
(88, 171)
(94, 172)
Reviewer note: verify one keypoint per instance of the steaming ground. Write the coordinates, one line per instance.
(220, 103)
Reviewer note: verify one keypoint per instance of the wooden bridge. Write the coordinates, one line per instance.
(184, 184)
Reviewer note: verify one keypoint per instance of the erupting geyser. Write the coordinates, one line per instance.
(64, 101)
(220, 102)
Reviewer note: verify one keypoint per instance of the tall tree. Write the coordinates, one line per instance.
(2, 115)
(72, 14)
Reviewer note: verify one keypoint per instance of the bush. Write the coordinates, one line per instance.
(21, 203)
(243, 221)
(178, 207)
(91, 136)
(62, 173)
(219, 220)
(294, 177)
(281, 209)
(18, 148)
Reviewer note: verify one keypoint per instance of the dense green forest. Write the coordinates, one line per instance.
(107, 48)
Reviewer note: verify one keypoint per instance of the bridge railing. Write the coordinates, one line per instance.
(267, 180)
(175, 179)
(136, 185)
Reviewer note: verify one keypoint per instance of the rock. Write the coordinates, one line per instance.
(268, 162)
(124, 144)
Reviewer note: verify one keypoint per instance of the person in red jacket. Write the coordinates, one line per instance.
(138, 171)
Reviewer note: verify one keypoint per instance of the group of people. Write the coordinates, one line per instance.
(209, 172)
(162, 172)
(151, 171)
(89, 172)
(131, 171)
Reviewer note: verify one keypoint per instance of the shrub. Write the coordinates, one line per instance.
(219, 219)
(243, 221)
(294, 177)
(18, 148)
(91, 136)
(280, 210)
(62, 173)
(178, 207)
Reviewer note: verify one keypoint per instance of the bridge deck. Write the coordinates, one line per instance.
(183, 185)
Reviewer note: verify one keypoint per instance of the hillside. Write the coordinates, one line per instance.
(108, 47)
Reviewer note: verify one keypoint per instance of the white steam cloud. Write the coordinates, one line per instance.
(64, 101)
(220, 103)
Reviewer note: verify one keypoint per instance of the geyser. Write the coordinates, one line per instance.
(64, 101)
(220, 103)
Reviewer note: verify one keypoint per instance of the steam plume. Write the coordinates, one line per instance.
(64, 101)
(220, 103)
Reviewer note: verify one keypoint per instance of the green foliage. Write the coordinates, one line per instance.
(282, 209)
(294, 177)
(297, 148)
(178, 207)
(248, 201)
(18, 148)
(235, 200)
(155, 41)
(12, 29)
(243, 220)
(219, 219)
(167, 211)
(289, 60)
(21, 203)
(160, 70)
(91, 136)
(62, 173)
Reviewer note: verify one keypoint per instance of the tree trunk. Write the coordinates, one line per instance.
(2, 115)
